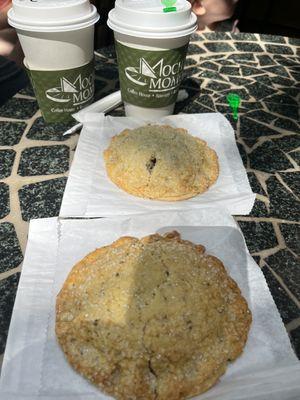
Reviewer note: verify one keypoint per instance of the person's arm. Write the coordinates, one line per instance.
(9, 43)
(211, 12)
(4, 7)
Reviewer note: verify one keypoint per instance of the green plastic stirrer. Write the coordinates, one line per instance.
(234, 101)
(169, 5)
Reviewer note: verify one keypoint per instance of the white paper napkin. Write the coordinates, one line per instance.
(34, 366)
(89, 192)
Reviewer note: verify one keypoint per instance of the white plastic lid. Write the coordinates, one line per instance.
(52, 15)
(146, 18)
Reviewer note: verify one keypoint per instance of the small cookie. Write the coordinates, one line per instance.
(161, 163)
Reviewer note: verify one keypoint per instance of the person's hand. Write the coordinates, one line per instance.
(210, 12)
(9, 42)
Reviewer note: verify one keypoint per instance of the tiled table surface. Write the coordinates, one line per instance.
(263, 70)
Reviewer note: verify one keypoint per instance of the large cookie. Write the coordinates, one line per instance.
(154, 318)
(161, 162)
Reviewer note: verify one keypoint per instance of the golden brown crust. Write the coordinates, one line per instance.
(161, 162)
(151, 319)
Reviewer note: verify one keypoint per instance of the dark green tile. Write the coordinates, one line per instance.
(253, 129)
(8, 290)
(258, 235)
(230, 71)
(7, 158)
(285, 110)
(272, 38)
(207, 101)
(45, 160)
(252, 105)
(212, 57)
(259, 91)
(279, 80)
(273, 48)
(189, 61)
(296, 76)
(4, 203)
(288, 125)
(211, 75)
(196, 37)
(291, 235)
(227, 62)
(294, 41)
(54, 132)
(282, 99)
(242, 57)
(264, 79)
(216, 36)
(42, 200)
(250, 71)
(250, 142)
(10, 251)
(209, 65)
(259, 210)
(194, 49)
(285, 265)
(249, 47)
(277, 70)
(292, 179)
(217, 86)
(11, 132)
(283, 204)
(265, 60)
(286, 307)
(218, 47)
(286, 61)
(291, 91)
(255, 185)
(261, 116)
(288, 143)
(239, 81)
(19, 108)
(244, 36)
(268, 158)
(296, 156)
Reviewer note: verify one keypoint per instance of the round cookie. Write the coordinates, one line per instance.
(151, 319)
(161, 163)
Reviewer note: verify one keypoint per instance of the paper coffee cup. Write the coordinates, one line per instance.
(57, 38)
(151, 48)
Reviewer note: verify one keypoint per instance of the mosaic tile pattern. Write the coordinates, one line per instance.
(7, 158)
(4, 196)
(263, 70)
(44, 160)
(42, 199)
(10, 251)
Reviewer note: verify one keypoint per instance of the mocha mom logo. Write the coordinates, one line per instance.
(150, 78)
(159, 77)
(77, 92)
